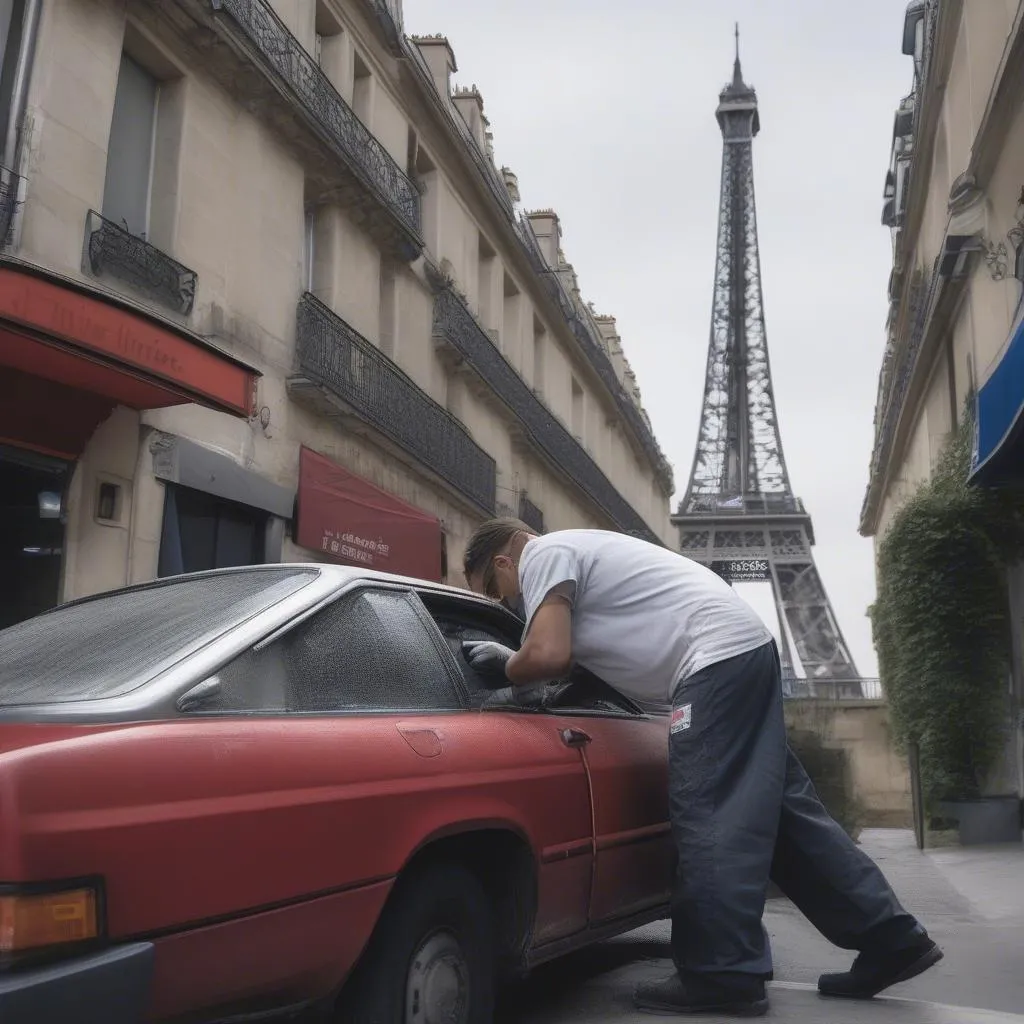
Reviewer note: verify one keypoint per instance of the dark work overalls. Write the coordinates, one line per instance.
(743, 810)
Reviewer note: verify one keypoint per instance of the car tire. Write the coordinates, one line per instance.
(431, 957)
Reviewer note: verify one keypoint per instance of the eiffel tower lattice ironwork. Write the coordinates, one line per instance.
(739, 514)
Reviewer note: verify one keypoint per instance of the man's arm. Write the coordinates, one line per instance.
(546, 652)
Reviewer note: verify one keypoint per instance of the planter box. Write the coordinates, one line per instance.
(985, 820)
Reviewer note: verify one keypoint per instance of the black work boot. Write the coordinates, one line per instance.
(745, 998)
(873, 972)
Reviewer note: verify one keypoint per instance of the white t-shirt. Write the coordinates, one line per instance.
(644, 617)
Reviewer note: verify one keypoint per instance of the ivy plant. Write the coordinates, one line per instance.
(941, 621)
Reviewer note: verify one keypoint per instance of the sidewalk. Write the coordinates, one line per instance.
(972, 902)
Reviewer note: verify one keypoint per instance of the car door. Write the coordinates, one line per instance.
(312, 768)
(626, 753)
(554, 791)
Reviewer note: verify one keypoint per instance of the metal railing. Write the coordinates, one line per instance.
(337, 357)
(288, 61)
(919, 302)
(10, 186)
(832, 689)
(455, 324)
(111, 249)
(741, 505)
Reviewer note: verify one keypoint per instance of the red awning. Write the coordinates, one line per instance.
(345, 518)
(54, 337)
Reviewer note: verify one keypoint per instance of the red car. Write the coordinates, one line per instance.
(277, 789)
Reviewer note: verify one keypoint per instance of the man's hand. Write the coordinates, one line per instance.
(486, 656)
(516, 697)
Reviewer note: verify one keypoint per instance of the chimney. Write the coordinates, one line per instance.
(613, 343)
(549, 234)
(439, 58)
(470, 104)
(511, 183)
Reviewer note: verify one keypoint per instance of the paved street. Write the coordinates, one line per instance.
(972, 901)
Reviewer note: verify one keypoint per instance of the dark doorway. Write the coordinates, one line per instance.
(31, 533)
(201, 531)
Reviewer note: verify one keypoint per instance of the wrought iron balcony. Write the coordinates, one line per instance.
(294, 72)
(389, 19)
(112, 251)
(595, 352)
(336, 357)
(530, 513)
(919, 303)
(455, 326)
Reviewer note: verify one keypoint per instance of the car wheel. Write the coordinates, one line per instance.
(430, 960)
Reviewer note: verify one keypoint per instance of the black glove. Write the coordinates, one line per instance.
(487, 656)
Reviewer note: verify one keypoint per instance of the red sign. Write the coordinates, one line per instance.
(344, 518)
(91, 324)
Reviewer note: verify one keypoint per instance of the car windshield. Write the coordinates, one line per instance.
(116, 642)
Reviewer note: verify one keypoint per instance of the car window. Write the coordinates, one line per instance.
(460, 620)
(111, 644)
(370, 650)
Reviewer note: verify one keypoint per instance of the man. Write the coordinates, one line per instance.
(659, 627)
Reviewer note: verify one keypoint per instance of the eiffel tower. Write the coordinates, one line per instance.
(739, 514)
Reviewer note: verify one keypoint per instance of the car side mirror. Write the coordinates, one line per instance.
(195, 698)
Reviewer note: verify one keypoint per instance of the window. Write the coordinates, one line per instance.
(362, 91)
(486, 262)
(201, 531)
(109, 645)
(388, 308)
(126, 190)
(510, 320)
(460, 621)
(577, 410)
(538, 356)
(309, 249)
(372, 650)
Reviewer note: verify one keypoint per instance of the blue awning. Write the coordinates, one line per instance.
(999, 440)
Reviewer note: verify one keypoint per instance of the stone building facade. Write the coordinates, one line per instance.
(262, 281)
(954, 204)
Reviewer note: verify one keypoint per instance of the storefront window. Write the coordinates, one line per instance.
(31, 533)
(201, 532)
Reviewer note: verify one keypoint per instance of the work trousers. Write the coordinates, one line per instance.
(743, 810)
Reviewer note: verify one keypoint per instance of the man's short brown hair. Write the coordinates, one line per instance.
(488, 539)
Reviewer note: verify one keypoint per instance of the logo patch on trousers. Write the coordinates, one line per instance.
(681, 718)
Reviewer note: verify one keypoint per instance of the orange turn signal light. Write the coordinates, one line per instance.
(30, 921)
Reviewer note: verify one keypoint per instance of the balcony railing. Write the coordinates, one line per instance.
(919, 301)
(595, 352)
(765, 504)
(388, 17)
(454, 325)
(112, 251)
(832, 689)
(9, 188)
(335, 356)
(350, 139)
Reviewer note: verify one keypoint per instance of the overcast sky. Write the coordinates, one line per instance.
(605, 111)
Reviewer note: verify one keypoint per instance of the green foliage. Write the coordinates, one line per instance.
(941, 621)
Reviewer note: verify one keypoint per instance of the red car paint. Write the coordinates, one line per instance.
(257, 852)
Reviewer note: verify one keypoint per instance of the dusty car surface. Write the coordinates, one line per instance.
(270, 789)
